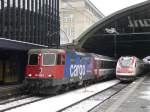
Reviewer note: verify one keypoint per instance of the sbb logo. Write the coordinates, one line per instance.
(77, 70)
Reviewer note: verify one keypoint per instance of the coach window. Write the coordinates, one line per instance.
(114, 64)
(102, 64)
(106, 65)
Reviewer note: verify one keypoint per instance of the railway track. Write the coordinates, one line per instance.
(91, 102)
(71, 98)
(17, 102)
(14, 98)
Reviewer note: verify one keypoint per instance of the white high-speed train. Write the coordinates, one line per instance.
(130, 67)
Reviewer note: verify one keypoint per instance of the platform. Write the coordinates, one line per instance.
(10, 90)
(134, 98)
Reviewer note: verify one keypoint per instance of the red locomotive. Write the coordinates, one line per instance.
(50, 70)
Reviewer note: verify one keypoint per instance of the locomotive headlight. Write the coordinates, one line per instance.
(30, 75)
(130, 70)
(50, 75)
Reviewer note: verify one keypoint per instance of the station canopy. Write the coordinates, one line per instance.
(126, 32)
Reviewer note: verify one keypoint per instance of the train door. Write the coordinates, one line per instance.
(60, 65)
(97, 68)
(100, 71)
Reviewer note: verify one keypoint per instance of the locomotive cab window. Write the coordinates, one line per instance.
(49, 59)
(60, 59)
(33, 59)
(126, 62)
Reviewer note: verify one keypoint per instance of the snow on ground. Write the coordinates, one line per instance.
(18, 102)
(58, 102)
(83, 107)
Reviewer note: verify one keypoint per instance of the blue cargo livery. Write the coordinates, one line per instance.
(78, 64)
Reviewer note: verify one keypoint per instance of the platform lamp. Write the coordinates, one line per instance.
(115, 33)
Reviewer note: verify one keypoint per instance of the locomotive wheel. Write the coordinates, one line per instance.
(52, 90)
(65, 88)
(80, 83)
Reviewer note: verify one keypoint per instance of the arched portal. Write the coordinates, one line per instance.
(126, 32)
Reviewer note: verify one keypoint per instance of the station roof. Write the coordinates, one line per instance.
(18, 45)
(126, 32)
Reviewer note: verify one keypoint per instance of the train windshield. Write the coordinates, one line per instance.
(126, 61)
(33, 59)
(49, 59)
